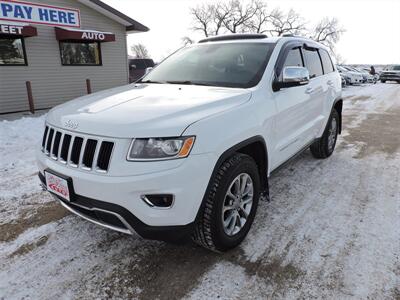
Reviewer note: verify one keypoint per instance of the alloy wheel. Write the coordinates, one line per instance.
(237, 204)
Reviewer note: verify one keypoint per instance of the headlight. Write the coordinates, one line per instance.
(160, 148)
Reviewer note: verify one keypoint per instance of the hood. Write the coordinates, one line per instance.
(355, 74)
(144, 110)
(392, 71)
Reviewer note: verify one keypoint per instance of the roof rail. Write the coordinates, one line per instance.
(238, 36)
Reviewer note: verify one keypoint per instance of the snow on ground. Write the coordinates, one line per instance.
(18, 141)
(332, 229)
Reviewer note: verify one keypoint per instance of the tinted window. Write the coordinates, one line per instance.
(294, 59)
(139, 64)
(149, 62)
(313, 63)
(12, 51)
(326, 61)
(228, 64)
(80, 54)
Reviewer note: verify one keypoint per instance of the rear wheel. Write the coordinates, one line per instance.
(230, 205)
(324, 146)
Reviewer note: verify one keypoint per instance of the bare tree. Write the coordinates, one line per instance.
(187, 41)
(238, 16)
(290, 23)
(204, 16)
(140, 51)
(328, 32)
(339, 59)
(220, 15)
(261, 18)
(232, 16)
(209, 18)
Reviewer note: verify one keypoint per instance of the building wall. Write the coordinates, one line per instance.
(52, 83)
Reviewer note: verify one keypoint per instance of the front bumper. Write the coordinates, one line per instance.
(187, 181)
(390, 77)
(118, 218)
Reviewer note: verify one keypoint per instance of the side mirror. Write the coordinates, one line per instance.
(148, 70)
(293, 76)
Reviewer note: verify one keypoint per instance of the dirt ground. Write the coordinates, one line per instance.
(332, 229)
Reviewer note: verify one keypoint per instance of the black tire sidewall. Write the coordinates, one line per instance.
(328, 151)
(221, 240)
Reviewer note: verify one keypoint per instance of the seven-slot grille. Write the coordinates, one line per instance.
(77, 151)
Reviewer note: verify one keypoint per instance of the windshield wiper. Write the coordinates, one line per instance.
(150, 81)
(188, 82)
(180, 82)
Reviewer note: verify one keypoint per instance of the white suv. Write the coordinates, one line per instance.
(187, 150)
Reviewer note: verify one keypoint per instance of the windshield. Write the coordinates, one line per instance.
(396, 68)
(351, 69)
(217, 64)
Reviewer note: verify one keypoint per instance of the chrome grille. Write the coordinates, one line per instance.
(76, 150)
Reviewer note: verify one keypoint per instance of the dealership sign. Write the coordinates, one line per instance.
(27, 12)
(64, 34)
(11, 29)
(15, 29)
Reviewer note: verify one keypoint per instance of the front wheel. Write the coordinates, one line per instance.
(325, 145)
(230, 205)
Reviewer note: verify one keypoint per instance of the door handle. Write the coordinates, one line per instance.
(309, 90)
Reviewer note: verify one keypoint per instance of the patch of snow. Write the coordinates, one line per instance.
(363, 100)
(64, 266)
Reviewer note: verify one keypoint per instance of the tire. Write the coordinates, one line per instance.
(209, 230)
(383, 81)
(324, 146)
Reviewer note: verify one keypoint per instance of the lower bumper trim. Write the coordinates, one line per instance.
(130, 221)
(129, 230)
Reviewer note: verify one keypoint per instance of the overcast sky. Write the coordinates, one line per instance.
(372, 36)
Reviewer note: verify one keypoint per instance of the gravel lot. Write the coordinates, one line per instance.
(332, 229)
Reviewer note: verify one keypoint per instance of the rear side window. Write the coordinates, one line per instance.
(326, 61)
(139, 64)
(313, 62)
(294, 59)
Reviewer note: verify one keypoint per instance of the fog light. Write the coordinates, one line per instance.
(159, 201)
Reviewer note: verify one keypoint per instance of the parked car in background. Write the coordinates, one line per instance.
(366, 76)
(391, 73)
(373, 77)
(350, 76)
(344, 82)
(138, 67)
(351, 69)
(188, 149)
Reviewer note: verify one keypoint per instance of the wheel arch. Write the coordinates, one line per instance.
(338, 106)
(255, 147)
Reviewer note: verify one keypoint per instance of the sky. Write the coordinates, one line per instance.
(372, 26)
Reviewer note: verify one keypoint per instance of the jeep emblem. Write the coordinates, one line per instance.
(71, 124)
